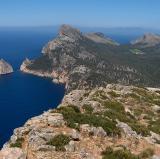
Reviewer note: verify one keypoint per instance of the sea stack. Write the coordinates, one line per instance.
(5, 67)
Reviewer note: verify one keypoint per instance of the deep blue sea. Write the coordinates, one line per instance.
(23, 96)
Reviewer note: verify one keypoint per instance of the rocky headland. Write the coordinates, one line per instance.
(96, 119)
(93, 60)
(5, 68)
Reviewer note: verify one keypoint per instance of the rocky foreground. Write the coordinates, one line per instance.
(5, 67)
(112, 122)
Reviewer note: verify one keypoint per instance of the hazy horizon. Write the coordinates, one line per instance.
(83, 13)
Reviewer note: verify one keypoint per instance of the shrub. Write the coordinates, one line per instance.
(155, 126)
(88, 108)
(139, 128)
(59, 141)
(18, 143)
(146, 153)
(113, 94)
(72, 117)
(116, 106)
(119, 154)
(133, 95)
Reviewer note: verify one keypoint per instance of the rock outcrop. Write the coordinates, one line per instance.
(87, 122)
(5, 68)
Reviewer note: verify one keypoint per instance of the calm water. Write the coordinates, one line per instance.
(21, 95)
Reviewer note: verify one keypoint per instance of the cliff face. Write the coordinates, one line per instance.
(91, 60)
(5, 68)
(93, 124)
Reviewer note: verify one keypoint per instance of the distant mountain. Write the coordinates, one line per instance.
(148, 40)
(82, 61)
(100, 38)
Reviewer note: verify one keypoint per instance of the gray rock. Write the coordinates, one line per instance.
(75, 135)
(99, 132)
(95, 131)
(127, 129)
(46, 148)
(55, 119)
(71, 147)
(85, 155)
(155, 137)
(156, 157)
(5, 67)
(12, 153)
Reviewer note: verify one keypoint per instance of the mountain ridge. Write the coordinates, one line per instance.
(72, 55)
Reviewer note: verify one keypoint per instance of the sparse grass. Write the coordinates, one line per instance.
(139, 128)
(116, 111)
(147, 96)
(18, 143)
(113, 94)
(155, 126)
(133, 95)
(113, 105)
(59, 141)
(72, 117)
(109, 153)
(100, 94)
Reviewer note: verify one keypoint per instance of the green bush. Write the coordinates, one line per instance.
(155, 126)
(133, 95)
(113, 94)
(109, 153)
(139, 128)
(18, 143)
(72, 117)
(59, 141)
(113, 105)
(119, 154)
(88, 108)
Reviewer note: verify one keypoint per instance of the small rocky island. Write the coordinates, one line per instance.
(5, 67)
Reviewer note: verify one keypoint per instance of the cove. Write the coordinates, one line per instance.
(23, 96)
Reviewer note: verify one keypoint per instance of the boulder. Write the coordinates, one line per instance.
(56, 120)
(71, 147)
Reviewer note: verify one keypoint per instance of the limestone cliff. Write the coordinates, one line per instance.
(93, 124)
(5, 67)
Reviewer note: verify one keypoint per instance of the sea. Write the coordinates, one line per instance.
(23, 96)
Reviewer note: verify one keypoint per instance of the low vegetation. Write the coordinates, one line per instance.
(123, 153)
(73, 116)
(18, 143)
(59, 141)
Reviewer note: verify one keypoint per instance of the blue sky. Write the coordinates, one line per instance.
(95, 13)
